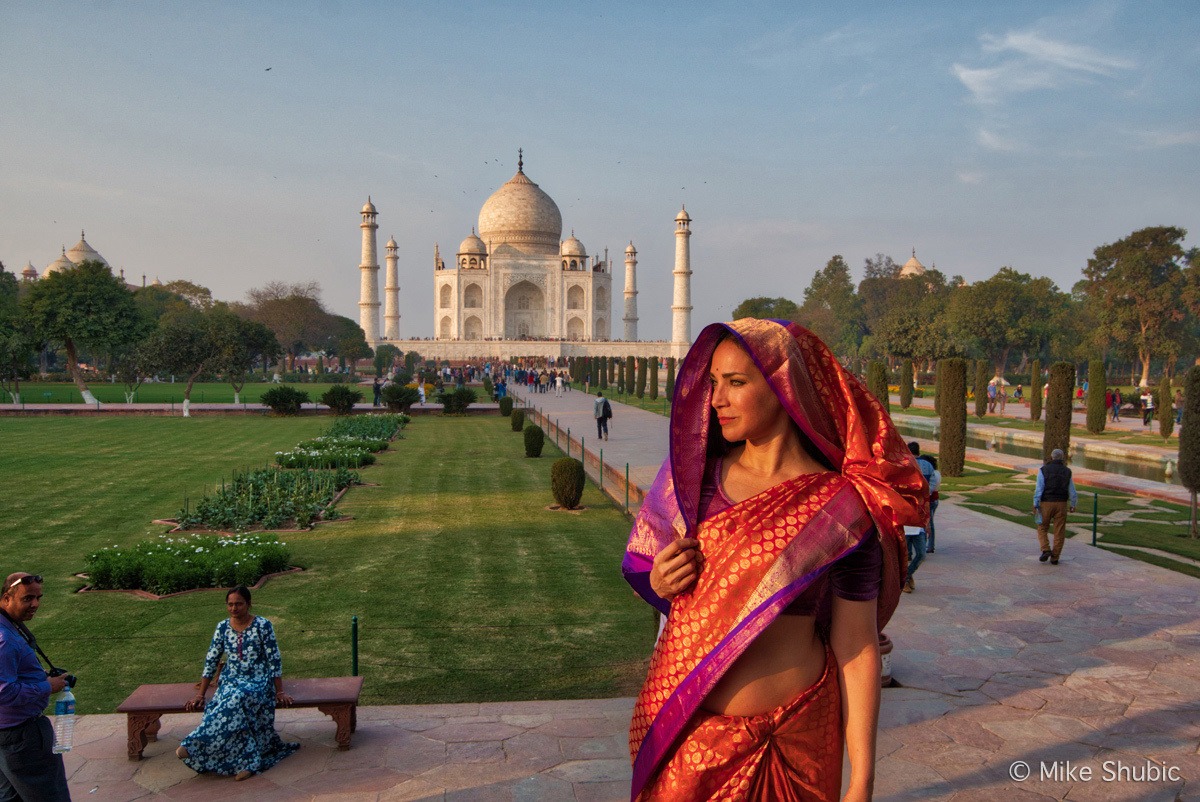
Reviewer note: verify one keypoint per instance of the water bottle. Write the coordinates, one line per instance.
(64, 721)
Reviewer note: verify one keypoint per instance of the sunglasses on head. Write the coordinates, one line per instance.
(28, 579)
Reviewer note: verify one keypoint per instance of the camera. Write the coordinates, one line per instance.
(70, 679)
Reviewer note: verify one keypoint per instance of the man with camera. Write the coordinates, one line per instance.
(29, 770)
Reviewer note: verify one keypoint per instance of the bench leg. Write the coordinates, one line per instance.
(343, 715)
(139, 727)
(353, 718)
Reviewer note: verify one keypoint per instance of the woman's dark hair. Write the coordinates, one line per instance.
(240, 590)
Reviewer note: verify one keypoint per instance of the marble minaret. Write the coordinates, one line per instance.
(391, 294)
(631, 315)
(368, 302)
(681, 306)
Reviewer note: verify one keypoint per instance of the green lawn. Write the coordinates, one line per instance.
(1120, 518)
(157, 393)
(465, 586)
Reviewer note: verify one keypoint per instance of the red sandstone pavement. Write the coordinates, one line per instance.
(1087, 673)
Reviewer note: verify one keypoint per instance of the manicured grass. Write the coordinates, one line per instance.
(466, 588)
(158, 392)
(1121, 518)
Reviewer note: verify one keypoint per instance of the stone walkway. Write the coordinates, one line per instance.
(1091, 666)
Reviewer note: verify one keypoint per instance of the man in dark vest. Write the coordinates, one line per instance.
(1054, 494)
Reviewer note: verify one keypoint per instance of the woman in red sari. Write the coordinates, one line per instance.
(773, 540)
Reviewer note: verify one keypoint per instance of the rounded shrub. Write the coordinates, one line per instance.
(506, 405)
(1035, 390)
(399, 398)
(1057, 431)
(877, 381)
(535, 438)
(456, 402)
(341, 398)
(1097, 413)
(952, 447)
(284, 400)
(566, 481)
(906, 384)
(517, 419)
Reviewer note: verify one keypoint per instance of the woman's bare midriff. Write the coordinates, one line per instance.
(781, 662)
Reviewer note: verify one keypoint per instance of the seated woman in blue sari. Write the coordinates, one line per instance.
(237, 735)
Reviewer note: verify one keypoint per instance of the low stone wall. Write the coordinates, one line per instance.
(508, 350)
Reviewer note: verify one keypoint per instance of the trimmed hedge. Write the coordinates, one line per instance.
(981, 388)
(670, 377)
(517, 419)
(653, 378)
(1097, 413)
(1035, 390)
(906, 384)
(566, 481)
(506, 406)
(535, 438)
(641, 377)
(1057, 431)
(630, 374)
(1166, 411)
(341, 398)
(877, 382)
(284, 400)
(952, 445)
(1189, 439)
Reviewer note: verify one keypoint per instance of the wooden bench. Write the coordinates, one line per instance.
(336, 697)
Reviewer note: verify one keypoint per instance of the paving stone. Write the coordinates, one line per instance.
(615, 791)
(475, 752)
(467, 731)
(584, 771)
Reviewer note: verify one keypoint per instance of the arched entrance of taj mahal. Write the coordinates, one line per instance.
(524, 311)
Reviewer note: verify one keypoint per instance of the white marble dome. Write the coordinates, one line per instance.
(520, 214)
(573, 247)
(472, 246)
(61, 263)
(82, 252)
(912, 267)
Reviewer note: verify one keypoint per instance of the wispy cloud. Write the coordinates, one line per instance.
(1026, 61)
(970, 176)
(993, 141)
(1166, 139)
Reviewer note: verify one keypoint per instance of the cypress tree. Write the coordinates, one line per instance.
(1189, 440)
(671, 377)
(1166, 414)
(981, 388)
(1035, 390)
(612, 370)
(937, 386)
(641, 377)
(621, 376)
(630, 374)
(653, 378)
(952, 447)
(1097, 413)
(1057, 431)
(603, 364)
(906, 383)
(877, 381)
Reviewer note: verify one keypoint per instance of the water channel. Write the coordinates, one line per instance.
(1153, 471)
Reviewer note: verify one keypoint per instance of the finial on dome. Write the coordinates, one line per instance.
(520, 160)
(914, 253)
(81, 234)
(64, 250)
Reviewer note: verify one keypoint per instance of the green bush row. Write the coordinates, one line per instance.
(173, 563)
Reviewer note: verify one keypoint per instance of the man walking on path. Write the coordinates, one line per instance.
(934, 478)
(1055, 488)
(601, 411)
(29, 770)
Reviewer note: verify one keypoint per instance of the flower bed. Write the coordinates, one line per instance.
(269, 497)
(322, 453)
(173, 563)
(373, 427)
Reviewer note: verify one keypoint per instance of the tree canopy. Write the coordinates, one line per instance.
(780, 308)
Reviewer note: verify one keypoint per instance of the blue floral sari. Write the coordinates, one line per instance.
(238, 730)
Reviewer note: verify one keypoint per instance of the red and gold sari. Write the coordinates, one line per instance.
(760, 555)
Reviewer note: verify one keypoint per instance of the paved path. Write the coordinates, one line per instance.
(1001, 658)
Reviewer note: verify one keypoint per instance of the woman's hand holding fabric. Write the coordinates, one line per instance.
(676, 567)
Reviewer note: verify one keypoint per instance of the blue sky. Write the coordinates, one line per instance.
(1022, 134)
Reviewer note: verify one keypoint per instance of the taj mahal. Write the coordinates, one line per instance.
(515, 287)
